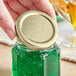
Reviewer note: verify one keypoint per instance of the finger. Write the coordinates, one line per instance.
(13, 14)
(17, 7)
(6, 21)
(45, 6)
(28, 3)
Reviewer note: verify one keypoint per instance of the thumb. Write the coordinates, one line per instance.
(6, 21)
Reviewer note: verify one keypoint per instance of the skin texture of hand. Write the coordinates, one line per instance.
(10, 10)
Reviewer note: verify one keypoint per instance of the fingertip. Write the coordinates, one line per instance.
(52, 14)
(11, 34)
(45, 6)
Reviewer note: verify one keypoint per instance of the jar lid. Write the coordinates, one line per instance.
(36, 29)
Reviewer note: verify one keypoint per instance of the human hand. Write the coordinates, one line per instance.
(10, 10)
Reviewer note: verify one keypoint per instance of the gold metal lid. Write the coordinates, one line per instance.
(36, 30)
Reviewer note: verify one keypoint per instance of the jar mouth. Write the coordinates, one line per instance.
(52, 48)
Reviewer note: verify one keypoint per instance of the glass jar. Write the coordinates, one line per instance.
(27, 62)
(35, 53)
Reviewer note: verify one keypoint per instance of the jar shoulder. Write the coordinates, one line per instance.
(22, 48)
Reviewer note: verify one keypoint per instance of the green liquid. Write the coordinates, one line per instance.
(35, 63)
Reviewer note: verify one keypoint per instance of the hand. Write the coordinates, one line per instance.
(10, 10)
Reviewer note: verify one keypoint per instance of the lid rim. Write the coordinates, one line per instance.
(30, 43)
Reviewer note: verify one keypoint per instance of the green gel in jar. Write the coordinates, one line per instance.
(35, 63)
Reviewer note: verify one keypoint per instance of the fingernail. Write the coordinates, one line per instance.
(10, 34)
